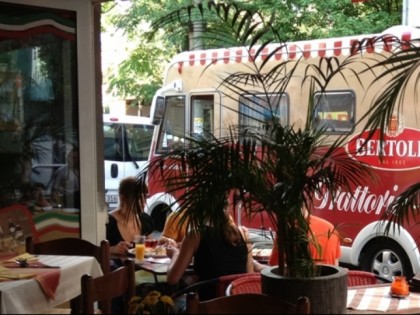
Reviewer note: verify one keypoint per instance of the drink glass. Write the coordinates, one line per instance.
(151, 242)
(140, 249)
(399, 286)
(60, 200)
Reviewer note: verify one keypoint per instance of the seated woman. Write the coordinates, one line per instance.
(129, 219)
(125, 222)
(216, 253)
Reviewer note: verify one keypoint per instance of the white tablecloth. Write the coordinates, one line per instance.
(378, 299)
(27, 297)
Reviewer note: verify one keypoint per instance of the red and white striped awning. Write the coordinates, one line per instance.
(330, 47)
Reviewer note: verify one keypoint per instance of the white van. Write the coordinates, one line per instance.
(127, 142)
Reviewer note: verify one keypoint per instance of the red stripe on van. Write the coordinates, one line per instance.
(238, 56)
(226, 56)
(214, 57)
(337, 48)
(292, 51)
(264, 53)
(203, 59)
(307, 51)
(322, 47)
(192, 59)
(406, 37)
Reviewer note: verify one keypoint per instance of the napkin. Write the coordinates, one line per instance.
(6, 274)
(48, 279)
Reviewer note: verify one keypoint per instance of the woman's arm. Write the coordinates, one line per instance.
(181, 258)
(250, 259)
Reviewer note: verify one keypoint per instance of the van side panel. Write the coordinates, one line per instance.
(352, 212)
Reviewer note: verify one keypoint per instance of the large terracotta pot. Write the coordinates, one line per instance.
(327, 292)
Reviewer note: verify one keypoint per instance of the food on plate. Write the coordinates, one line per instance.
(157, 251)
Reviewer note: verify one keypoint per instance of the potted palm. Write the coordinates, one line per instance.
(275, 168)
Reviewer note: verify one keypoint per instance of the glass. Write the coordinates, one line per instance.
(60, 199)
(173, 124)
(38, 99)
(151, 242)
(140, 250)
(399, 286)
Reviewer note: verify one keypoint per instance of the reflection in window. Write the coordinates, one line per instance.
(259, 110)
(334, 111)
(172, 132)
(38, 99)
(127, 142)
(202, 109)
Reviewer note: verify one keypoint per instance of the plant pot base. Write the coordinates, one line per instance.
(327, 292)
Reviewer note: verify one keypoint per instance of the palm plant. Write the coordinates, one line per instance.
(276, 169)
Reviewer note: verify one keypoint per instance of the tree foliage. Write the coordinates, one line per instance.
(170, 22)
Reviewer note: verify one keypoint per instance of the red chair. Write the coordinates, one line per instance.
(220, 283)
(359, 277)
(248, 283)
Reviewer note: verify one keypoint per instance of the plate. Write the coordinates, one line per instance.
(155, 256)
(132, 252)
(399, 296)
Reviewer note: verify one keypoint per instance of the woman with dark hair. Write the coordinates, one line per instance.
(125, 222)
(216, 252)
(129, 218)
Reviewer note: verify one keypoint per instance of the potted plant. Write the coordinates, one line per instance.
(275, 168)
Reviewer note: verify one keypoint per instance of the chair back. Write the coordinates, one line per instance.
(225, 281)
(73, 246)
(248, 283)
(103, 289)
(219, 284)
(359, 277)
(246, 304)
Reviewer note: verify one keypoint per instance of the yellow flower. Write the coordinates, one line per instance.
(167, 300)
(154, 293)
(153, 303)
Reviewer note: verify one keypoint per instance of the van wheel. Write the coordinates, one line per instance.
(386, 259)
(159, 215)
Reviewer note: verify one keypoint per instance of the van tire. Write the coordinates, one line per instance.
(386, 258)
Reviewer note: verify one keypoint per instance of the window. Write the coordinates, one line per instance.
(258, 110)
(127, 142)
(334, 111)
(202, 112)
(172, 131)
(38, 94)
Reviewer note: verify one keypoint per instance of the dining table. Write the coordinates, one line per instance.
(376, 299)
(49, 281)
(366, 299)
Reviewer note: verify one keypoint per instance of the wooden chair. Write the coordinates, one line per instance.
(359, 277)
(73, 246)
(117, 283)
(246, 304)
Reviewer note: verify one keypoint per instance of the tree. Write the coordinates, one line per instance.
(170, 24)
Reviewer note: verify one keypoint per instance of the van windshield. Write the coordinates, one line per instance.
(127, 142)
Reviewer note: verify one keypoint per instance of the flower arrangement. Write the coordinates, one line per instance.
(153, 303)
